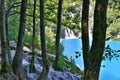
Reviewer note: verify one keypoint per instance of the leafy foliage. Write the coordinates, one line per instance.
(66, 65)
(78, 54)
(71, 18)
(113, 20)
(72, 15)
(111, 54)
(50, 40)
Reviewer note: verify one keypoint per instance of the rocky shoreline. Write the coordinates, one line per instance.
(52, 75)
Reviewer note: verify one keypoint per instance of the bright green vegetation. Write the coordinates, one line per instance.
(114, 20)
(65, 65)
(43, 29)
(71, 17)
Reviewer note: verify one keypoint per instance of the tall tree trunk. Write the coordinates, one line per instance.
(6, 67)
(7, 29)
(0, 24)
(58, 33)
(98, 44)
(85, 34)
(17, 61)
(32, 67)
(45, 70)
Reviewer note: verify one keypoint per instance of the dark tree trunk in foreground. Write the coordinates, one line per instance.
(6, 67)
(85, 34)
(99, 33)
(17, 61)
(32, 67)
(44, 73)
(58, 52)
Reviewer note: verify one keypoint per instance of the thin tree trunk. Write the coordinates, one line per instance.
(44, 73)
(6, 68)
(6, 65)
(98, 44)
(32, 67)
(7, 29)
(0, 24)
(85, 34)
(58, 33)
(17, 61)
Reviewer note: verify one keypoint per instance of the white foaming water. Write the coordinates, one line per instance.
(69, 34)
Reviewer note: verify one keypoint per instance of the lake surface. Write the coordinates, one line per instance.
(111, 71)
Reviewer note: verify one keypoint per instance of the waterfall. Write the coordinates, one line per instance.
(68, 34)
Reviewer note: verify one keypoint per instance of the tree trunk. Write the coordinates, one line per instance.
(45, 70)
(58, 52)
(32, 67)
(17, 61)
(7, 29)
(6, 67)
(85, 34)
(98, 44)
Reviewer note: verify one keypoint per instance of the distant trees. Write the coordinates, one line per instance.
(113, 31)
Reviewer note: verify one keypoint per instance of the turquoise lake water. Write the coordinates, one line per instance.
(111, 71)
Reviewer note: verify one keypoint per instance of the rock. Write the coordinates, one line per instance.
(31, 76)
(26, 50)
(12, 53)
(52, 75)
(7, 76)
(13, 45)
(58, 75)
(39, 53)
(1, 77)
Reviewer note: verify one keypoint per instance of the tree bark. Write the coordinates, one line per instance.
(7, 29)
(85, 34)
(32, 67)
(58, 52)
(6, 67)
(98, 43)
(44, 73)
(17, 61)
